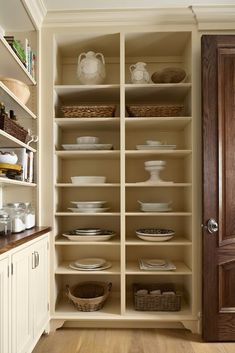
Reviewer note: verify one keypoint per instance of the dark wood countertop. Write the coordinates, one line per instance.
(12, 241)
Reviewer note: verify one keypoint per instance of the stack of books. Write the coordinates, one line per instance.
(24, 53)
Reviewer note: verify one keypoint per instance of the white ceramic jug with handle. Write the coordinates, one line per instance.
(139, 73)
(91, 68)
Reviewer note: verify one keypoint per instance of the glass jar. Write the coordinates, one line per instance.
(29, 215)
(5, 223)
(17, 214)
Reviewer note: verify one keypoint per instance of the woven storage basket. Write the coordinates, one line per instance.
(156, 302)
(12, 128)
(88, 111)
(155, 110)
(89, 296)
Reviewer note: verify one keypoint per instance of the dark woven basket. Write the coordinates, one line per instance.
(89, 296)
(156, 302)
(12, 128)
(155, 110)
(88, 111)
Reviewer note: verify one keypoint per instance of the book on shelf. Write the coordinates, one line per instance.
(25, 160)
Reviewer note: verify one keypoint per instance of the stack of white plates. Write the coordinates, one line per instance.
(88, 206)
(88, 143)
(155, 145)
(89, 234)
(155, 234)
(156, 265)
(90, 179)
(90, 264)
(155, 206)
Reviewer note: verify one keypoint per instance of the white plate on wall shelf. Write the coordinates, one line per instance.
(87, 147)
(155, 238)
(155, 147)
(88, 209)
(104, 267)
(90, 262)
(90, 238)
(88, 204)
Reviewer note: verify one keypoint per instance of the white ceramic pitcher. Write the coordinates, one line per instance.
(139, 73)
(91, 68)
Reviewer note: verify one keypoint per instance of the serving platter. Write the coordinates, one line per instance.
(104, 267)
(87, 146)
(88, 209)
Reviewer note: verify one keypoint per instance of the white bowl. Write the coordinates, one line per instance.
(153, 142)
(88, 179)
(8, 158)
(154, 163)
(88, 204)
(18, 88)
(87, 139)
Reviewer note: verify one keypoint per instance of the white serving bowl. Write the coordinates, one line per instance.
(18, 88)
(154, 163)
(8, 158)
(87, 139)
(88, 179)
(153, 142)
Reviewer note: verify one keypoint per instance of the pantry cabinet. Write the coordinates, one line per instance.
(4, 304)
(24, 296)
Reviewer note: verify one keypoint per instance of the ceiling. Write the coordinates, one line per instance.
(60, 5)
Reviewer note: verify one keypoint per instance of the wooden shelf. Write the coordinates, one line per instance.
(88, 123)
(5, 181)
(179, 241)
(103, 185)
(110, 311)
(157, 185)
(68, 94)
(77, 214)
(161, 123)
(88, 154)
(63, 241)
(64, 269)
(159, 153)
(132, 268)
(157, 93)
(12, 102)
(10, 63)
(165, 214)
(6, 140)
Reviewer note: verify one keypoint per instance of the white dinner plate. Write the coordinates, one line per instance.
(153, 232)
(89, 262)
(155, 147)
(88, 146)
(88, 238)
(106, 265)
(88, 204)
(156, 238)
(88, 209)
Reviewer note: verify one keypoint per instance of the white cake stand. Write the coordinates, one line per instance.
(154, 171)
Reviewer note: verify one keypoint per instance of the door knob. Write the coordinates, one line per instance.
(211, 226)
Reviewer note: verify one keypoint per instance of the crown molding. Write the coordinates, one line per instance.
(175, 16)
(36, 10)
(214, 17)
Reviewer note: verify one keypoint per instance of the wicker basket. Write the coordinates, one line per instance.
(156, 302)
(88, 111)
(12, 128)
(154, 110)
(89, 296)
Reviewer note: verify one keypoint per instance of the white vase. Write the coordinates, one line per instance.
(139, 73)
(91, 68)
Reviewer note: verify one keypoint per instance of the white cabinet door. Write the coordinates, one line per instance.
(4, 306)
(40, 278)
(22, 300)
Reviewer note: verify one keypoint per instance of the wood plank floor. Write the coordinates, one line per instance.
(127, 341)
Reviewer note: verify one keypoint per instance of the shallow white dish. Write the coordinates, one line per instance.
(154, 163)
(155, 239)
(88, 146)
(88, 210)
(88, 238)
(155, 147)
(157, 209)
(153, 142)
(88, 179)
(106, 265)
(154, 206)
(87, 139)
(90, 262)
(88, 204)
(154, 232)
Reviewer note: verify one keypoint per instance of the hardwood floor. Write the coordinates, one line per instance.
(127, 341)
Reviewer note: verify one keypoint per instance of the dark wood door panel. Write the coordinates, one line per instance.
(227, 287)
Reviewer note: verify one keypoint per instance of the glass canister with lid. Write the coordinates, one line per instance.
(16, 212)
(5, 223)
(29, 216)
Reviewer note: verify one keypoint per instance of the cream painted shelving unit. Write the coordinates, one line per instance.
(11, 66)
(124, 168)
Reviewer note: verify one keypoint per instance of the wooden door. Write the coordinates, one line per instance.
(40, 278)
(218, 105)
(4, 305)
(22, 300)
